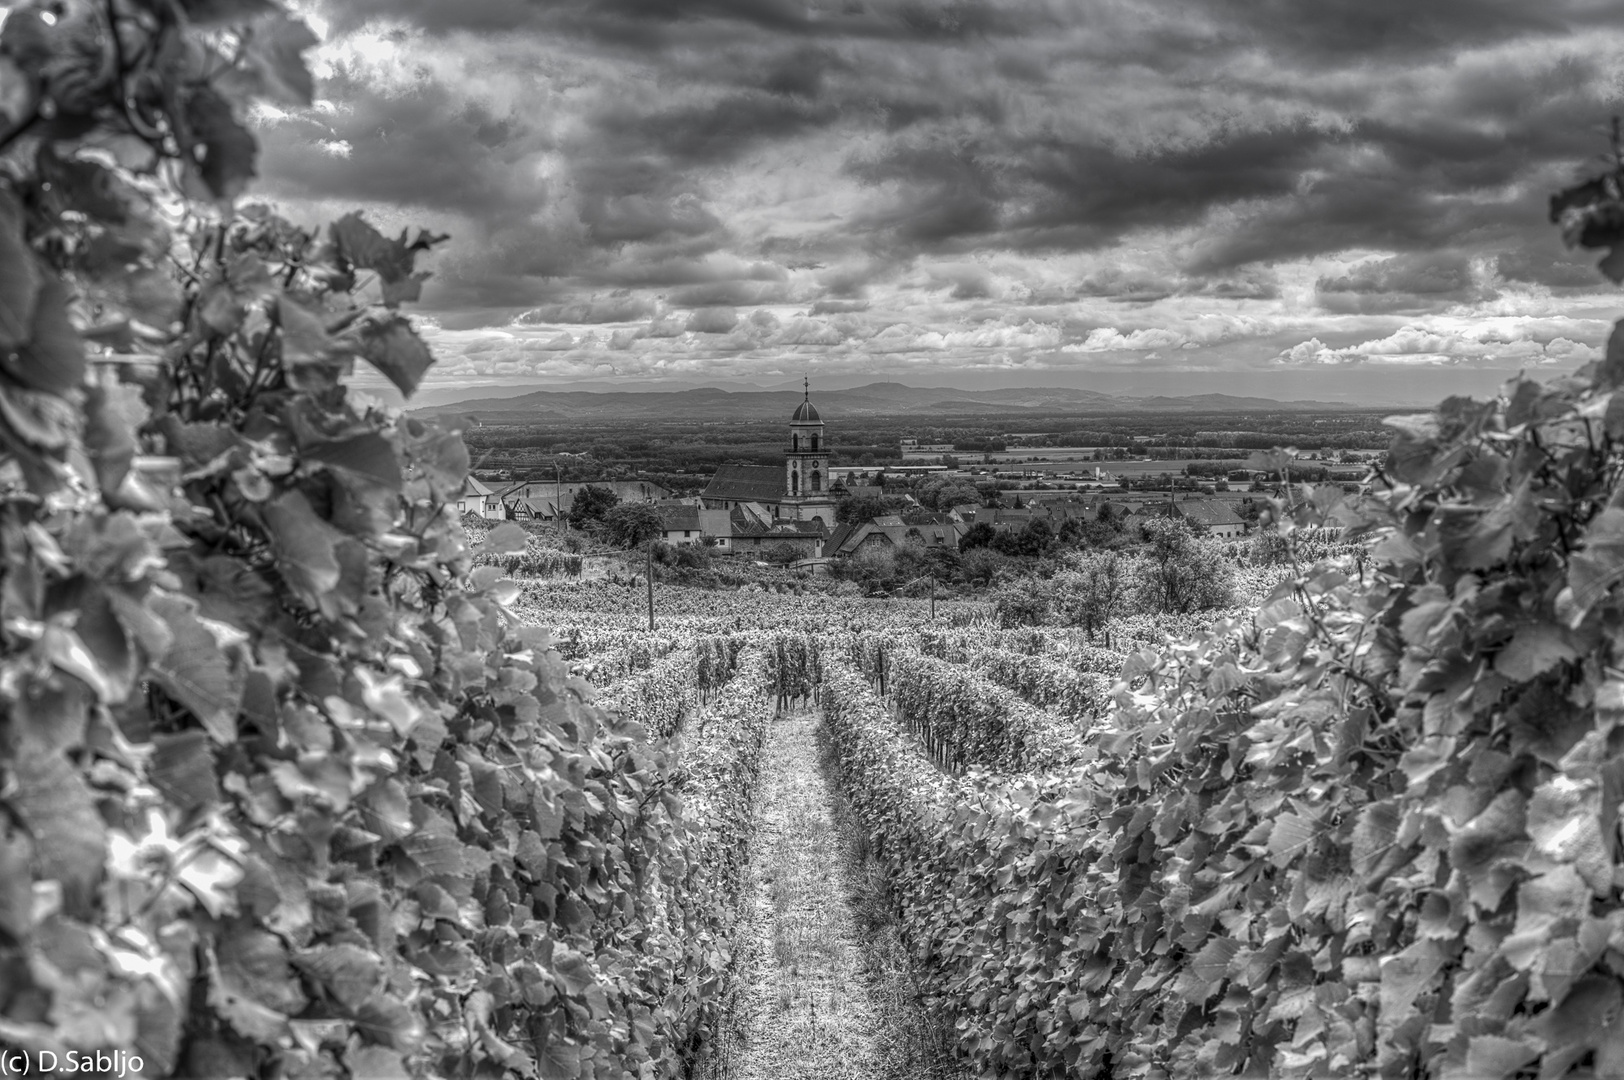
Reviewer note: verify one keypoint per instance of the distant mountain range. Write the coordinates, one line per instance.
(874, 399)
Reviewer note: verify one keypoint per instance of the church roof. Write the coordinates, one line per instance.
(806, 413)
(747, 483)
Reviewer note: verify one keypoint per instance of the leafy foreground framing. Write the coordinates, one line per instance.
(285, 790)
(287, 793)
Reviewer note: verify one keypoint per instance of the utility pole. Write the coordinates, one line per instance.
(558, 498)
(648, 573)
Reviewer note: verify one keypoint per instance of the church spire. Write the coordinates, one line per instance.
(808, 383)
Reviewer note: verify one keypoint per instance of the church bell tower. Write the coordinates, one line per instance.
(806, 466)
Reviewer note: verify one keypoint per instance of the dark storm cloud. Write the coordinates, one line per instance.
(418, 145)
(1127, 285)
(652, 23)
(1360, 30)
(1262, 131)
(1402, 283)
(1252, 283)
(1540, 265)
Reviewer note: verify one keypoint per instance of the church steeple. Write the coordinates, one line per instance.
(806, 468)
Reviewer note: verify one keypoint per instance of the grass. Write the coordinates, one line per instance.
(824, 986)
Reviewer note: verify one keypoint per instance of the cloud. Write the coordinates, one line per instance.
(976, 183)
(715, 320)
(1110, 339)
(1542, 266)
(837, 307)
(622, 308)
(1491, 345)
(1407, 282)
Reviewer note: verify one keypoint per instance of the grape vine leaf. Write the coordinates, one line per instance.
(350, 973)
(1533, 650)
(52, 360)
(196, 672)
(19, 276)
(59, 809)
(274, 55)
(182, 767)
(16, 882)
(395, 349)
(228, 156)
(306, 545)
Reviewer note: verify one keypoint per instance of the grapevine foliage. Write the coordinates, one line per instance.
(285, 790)
(1371, 829)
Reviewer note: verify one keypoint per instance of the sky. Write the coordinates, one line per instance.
(1344, 199)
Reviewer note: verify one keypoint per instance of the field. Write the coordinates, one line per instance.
(824, 744)
(672, 446)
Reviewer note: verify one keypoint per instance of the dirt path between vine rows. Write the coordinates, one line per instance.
(824, 994)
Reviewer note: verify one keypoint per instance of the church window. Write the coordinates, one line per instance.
(794, 483)
(817, 480)
(814, 441)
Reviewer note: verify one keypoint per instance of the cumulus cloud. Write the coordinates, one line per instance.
(623, 308)
(1110, 339)
(1494, 345)
(714, 320)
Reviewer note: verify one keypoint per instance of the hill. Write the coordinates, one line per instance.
(875, 399)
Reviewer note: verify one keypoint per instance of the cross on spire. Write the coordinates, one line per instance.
(808, 383)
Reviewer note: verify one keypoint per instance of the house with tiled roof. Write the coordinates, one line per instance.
(806, 538)
(684, 525)
(478, 498)
(1212, 517)
(546, 499)
(744, 483)
(889, 531)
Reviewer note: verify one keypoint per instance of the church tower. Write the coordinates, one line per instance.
(806, 467)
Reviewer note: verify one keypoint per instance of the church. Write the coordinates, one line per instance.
(798, 492)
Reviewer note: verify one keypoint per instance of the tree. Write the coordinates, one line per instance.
(629, 525)
(860, 508)
(979, 535)
(1032, 540)
(1020, 603)
(981, 566)
(590, 504)
(944, 494)
(874, 567)
(781, 554)
(1180, 572)
(1092, 589)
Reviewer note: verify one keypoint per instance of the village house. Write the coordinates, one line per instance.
(546, 500)
(687, 526)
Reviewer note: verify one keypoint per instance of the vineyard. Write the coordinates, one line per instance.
(302, 780)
